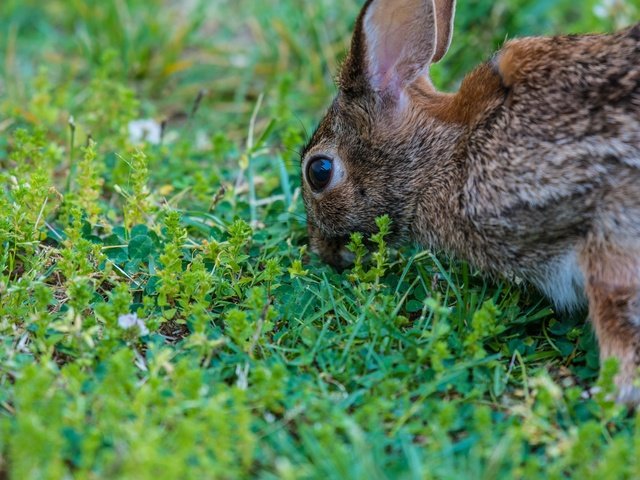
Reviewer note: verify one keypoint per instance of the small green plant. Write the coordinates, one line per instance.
(379, 256)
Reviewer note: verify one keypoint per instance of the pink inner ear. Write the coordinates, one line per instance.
(400, 39)
(390, 52)
(385, 45)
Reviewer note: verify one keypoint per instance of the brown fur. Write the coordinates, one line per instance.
(481, 89)
(532, 169)
(519, 58)
(613, 287)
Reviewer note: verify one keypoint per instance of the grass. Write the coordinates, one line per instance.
(160, 315)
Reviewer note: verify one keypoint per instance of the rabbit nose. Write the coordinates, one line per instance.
(339, 258)
(332, 250)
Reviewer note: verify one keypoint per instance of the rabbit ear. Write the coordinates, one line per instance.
(395, 42)
(445, 11)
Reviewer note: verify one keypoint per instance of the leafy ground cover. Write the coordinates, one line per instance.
(160, 315)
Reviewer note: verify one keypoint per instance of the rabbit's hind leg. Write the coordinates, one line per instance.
(612, 282)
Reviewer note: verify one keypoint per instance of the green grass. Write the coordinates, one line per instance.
(247, 357)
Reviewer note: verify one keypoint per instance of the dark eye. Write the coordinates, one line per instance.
(319, 171)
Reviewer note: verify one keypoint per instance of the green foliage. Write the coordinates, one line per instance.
(160, 315)
(379, 255)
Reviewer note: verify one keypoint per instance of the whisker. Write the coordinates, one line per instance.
(304, 129)
(291, 149)
(298, 216)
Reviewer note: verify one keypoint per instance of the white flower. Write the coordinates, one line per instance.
(145, 130)
(131, 320)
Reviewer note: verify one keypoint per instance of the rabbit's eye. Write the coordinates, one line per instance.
(319, 172)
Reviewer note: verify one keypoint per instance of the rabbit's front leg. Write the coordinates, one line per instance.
(612, 281)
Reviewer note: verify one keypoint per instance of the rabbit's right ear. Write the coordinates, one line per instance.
(395, 42)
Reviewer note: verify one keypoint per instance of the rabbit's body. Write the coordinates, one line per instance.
(553, 158)
(531, 169)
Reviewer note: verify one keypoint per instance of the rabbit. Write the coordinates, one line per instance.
(530, 170)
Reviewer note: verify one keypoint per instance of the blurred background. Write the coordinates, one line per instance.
(231, 51)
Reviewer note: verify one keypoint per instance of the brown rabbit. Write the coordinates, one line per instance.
(531, 169)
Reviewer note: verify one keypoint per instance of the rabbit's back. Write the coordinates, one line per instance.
(570, 120)
(560, 158)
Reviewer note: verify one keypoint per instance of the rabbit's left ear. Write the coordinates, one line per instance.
(396, 41)
(445, 11)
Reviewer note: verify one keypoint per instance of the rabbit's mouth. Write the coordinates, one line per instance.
(332, 250)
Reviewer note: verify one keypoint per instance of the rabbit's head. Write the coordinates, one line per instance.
(361, 161)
